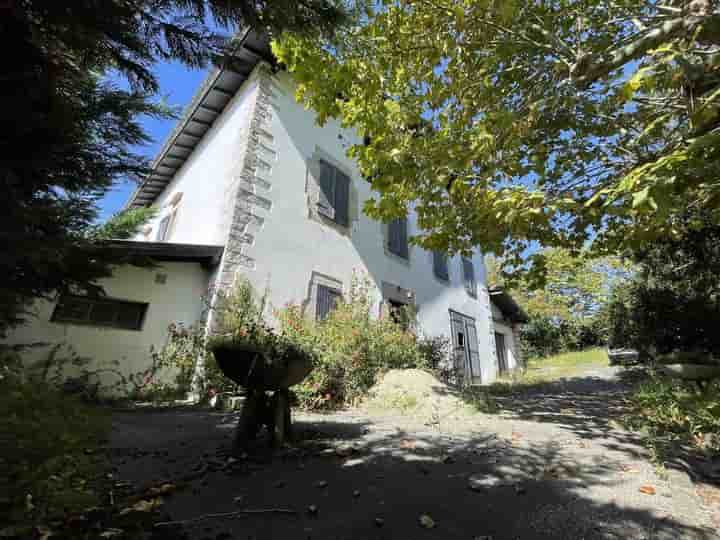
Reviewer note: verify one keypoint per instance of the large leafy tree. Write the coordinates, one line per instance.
(70, 133)
(573, 123)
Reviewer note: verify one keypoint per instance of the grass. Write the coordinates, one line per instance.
(552, 368)
(51, 465)
(669, 412)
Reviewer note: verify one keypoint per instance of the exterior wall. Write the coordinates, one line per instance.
(178, 300)
(290, 244)
(209, 179)
(511, 331)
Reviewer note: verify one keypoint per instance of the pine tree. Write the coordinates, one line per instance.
(69, 132)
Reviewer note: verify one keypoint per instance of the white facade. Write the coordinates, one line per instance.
(174, 293)
(250, 183)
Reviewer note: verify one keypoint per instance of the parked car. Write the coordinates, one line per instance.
(623, 357)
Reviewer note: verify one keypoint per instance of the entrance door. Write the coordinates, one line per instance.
(500, 350)
(466, 353)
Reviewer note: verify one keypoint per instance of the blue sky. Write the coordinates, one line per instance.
(177, 85)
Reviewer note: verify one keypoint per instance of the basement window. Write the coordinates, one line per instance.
(104, 312)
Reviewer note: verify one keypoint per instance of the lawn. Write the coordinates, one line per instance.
(570, 364)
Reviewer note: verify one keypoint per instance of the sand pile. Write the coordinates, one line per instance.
(416, 393)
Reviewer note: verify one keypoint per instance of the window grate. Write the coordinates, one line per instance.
(104, 312)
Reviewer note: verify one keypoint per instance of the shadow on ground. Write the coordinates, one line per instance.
(372, 480)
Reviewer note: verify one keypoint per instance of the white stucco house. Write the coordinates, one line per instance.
(248, 184)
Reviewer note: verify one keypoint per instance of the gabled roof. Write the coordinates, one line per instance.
(206, 106)
(507, 305)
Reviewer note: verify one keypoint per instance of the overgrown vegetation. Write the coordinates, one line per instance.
(353, 347)
(50, 466)
(669, 412)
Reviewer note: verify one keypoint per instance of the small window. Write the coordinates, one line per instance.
(469, 276)
(327, 300)
(440, 266)
(162, 232)
(398, 237)
(334, 200)
(400, 314)
(106, 312)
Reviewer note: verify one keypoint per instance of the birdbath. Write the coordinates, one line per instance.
(267, 381)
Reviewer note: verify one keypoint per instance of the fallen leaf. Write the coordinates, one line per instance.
(163, 489)
(426, 521)
(321, 484)
(356, 493)
(379, 522)
(111, 533)
(312, 510)
(407, 444)
(629, 469)
(647, 490)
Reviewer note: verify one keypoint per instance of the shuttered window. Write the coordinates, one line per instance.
(162, 232)
(398, 237)
(334, 199)
(107, 312)
(440, 266)
(469, 276)
(327, 299)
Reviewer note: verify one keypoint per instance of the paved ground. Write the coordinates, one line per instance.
(553, 464)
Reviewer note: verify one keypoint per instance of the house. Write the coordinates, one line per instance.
(247, 184)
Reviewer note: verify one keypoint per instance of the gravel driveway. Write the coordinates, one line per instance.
(552, 464)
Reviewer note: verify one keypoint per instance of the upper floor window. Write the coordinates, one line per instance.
(107, 312)
(398, 237)
(334, 200)
(327, 300)
(440, 265)
(469, 276)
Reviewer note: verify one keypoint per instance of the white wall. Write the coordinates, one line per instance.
(179, 299)
(208, 179)
(291, 246)
(511, 346)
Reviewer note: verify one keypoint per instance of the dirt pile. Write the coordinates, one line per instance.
(416, 393)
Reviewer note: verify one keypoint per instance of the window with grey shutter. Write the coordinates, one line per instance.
(327, 299)
(334, 201)
(163, 229)
(440, 266)
(469, 275)
(398, 237)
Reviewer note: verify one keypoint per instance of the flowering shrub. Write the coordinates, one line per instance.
(352, 348)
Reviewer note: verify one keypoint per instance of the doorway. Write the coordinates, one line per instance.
(466, 354)
(501, 355)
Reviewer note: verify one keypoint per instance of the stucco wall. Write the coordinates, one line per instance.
(209, 179)
(178, 300)
(511, 346)
(292, 244)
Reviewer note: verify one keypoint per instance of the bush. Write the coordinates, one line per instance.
(543, 336)
(669, 411)
(352, 348)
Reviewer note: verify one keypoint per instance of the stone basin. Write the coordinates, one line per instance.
(253, 370)
(691, 372)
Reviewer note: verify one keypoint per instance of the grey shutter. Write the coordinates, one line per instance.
(342, 198)
(327, 300)
(397, 237)
(469, 274)
(327, 190)
(162, 229)
(440, 265)
(473, 349)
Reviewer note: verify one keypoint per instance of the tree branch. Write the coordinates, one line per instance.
(226, 515)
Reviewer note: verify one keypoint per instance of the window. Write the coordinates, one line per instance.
(398, 237)
(334, 194)
(327, 299)
(469, 276)
(162, 232)
(440, 266)
(99, 312)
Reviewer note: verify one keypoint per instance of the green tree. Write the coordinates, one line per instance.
(71, 132)
(570, 123)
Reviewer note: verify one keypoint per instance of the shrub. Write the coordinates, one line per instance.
(669, 411)
(352, 348)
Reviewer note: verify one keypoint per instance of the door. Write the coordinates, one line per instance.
(466, 354)
(500, 350)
